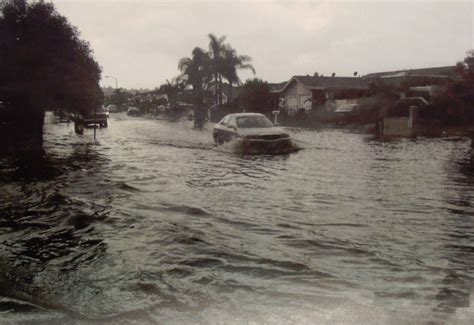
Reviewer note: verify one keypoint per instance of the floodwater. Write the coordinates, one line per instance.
(154, 224)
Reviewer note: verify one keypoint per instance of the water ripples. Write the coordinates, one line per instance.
(154, 223)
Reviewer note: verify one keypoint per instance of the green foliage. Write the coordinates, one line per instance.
(171, 89)
(209, 69)
(44, 62)
(256, 96)
(196, 72)
(119, 97)
(456, 104)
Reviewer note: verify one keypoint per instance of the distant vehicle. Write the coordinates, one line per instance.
(427, 92)
(112, 108)
(133, 111)
(347, 111)
(105, 110)
(402, 106)
(64, 117)
(253, 129)
(99, 117)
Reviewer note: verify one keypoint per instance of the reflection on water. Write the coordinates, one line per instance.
(154, 223)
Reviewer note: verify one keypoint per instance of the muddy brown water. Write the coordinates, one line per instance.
(153, 223)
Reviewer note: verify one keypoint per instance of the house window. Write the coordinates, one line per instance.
(305, 102)
(292, 101)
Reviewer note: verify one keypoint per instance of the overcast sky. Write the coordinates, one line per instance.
(141, 42)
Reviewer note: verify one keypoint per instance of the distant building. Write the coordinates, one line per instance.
(309, 92)
(413, 77)
(229, 93)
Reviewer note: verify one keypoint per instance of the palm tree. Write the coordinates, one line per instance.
(216, 50)
(224, 64)
(171, 89)
(232, 62)
(196, 71)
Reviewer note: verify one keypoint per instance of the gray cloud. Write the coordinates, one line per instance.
(141, 42)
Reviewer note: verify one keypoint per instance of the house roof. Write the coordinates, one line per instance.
(277, 87)
(447, 71)
(226, 89)
(318, 82)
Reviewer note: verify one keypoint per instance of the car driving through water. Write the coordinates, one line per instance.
(254, 130)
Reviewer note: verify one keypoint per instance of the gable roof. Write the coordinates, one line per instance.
(335, 83)
(447, 71)
(277, 87)
(226, 89)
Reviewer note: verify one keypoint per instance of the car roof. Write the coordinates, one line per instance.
(244, 114)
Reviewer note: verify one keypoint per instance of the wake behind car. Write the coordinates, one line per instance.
(253, 129)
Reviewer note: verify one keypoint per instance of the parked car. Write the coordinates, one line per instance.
(133, 111)
(253, 129)
(402, 106)
(105, 110)
(112, 108)
(347, 112)
(98, 117)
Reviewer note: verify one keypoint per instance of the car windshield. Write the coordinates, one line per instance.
(253, 122)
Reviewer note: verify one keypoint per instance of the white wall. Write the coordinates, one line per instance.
(296, 96)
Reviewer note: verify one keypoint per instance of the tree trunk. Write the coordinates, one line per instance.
(220, 90)
(216, 90)
(23, 133)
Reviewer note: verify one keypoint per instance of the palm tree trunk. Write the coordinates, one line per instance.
(216, 89)
(220, 90)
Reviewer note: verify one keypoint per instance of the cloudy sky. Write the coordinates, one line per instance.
(140, 42)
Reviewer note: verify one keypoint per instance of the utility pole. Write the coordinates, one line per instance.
(116, 81)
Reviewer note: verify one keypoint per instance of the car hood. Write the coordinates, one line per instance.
(261, 131)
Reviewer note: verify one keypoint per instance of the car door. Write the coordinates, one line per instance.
(231, 129)
(221, 129)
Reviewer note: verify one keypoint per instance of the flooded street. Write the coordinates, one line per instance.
(154, 223)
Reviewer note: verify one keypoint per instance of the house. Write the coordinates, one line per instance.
(309, 92)
(413, 77)
(229, 93)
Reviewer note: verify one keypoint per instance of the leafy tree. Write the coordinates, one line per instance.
(196, 71)
(232, 62)
(224, 64)
(44, 64)
(119, 97)
(456, 104)
(216, 50)
(256, 96)
(171, 89)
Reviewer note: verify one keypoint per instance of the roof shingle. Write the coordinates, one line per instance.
(312, 82)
